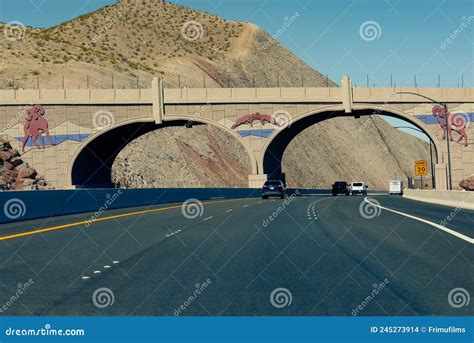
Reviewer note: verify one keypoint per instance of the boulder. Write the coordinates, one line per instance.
(6, 146)
(21, 166)
(16, 173)
(467, 184)
(21, 183)
(27, 173)
(14, 152)
(5, 155)
(7, 166)
(16, 161)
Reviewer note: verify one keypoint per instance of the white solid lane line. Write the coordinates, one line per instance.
(440, 227)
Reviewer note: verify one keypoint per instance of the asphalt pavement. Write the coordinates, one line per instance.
(317, 255)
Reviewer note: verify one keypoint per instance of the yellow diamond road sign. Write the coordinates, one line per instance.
(421, 168)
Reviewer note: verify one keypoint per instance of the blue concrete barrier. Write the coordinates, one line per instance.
(26, 205)
(307, 192)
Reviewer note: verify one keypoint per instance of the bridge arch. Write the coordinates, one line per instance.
(271, 155)
(91, 164)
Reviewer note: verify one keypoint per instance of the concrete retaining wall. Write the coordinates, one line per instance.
(26, 205)
(447, 198)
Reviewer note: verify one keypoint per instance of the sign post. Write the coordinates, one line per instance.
(421, 169)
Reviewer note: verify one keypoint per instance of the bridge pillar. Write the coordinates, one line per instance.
(257, 180)
(347, 101)
(157, 98)
(441, 177)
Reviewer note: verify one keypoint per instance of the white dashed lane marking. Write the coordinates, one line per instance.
(208, 218)
(85, 277)
(311, 209)
(173, 233)
(229, 211)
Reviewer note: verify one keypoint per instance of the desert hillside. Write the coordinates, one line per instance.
(213, 160)
(319, 156)
(126, 44)
(348, 149)
(137, 39)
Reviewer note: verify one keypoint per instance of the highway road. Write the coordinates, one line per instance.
(317, 255)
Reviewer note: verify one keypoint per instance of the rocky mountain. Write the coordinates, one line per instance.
(126, 44)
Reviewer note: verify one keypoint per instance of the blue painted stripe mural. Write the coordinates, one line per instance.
(425, 118)
(257, 133)
(431, 119)
(58, 139)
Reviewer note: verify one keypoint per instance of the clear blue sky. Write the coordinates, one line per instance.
(326, 34)
(411, 35)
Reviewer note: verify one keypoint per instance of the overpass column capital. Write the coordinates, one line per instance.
(158, 99)
(346, 86)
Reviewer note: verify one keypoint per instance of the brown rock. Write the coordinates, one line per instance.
(5, 155)
(6, 146)
(27, 173)
(16, 161)
(14, 153)
(7, 177)
(24, 182)
(23, 165)
(467, 184)
(7, 166)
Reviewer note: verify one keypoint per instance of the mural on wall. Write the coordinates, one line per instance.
(35, 126)
(37, 132)
(279, 118)
(251, 118)
(453, 122)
